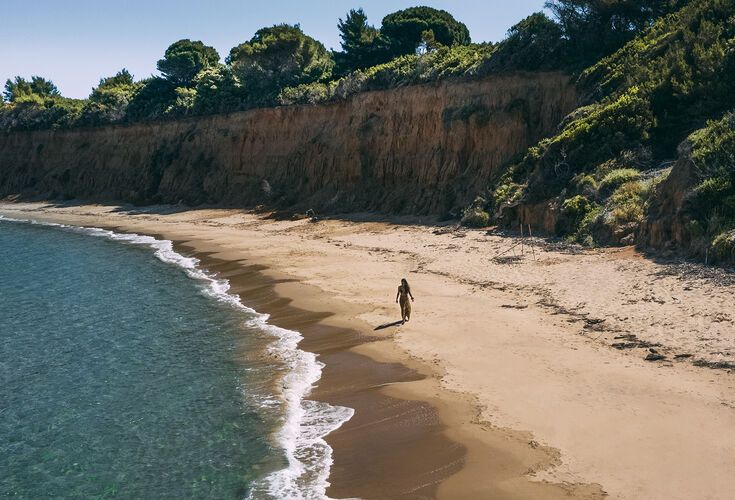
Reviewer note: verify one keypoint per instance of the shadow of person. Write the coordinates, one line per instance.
(387, 325)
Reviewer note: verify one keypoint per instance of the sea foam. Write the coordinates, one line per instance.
(305, 423)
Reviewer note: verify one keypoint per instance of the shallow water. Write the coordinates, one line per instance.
(127, 371)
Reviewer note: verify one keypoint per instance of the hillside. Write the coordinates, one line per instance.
(642, 162)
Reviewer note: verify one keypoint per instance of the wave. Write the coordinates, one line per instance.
(305, 422)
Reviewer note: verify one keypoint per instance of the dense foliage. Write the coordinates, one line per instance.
(281, 65)
(711, 205)
(184, 59)
(647, 98)
(279, 57)
(405, 30)
(19, 88)
(596, 28)
(109, 101)
(535, 43)
(361, 45)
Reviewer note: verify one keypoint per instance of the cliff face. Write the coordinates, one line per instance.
(422, 149)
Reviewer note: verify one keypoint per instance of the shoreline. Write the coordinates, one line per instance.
(468, 395)
(349, 379)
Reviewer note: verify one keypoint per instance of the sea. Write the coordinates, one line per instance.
(127, 370)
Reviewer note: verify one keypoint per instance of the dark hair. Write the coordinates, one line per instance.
(404, 282)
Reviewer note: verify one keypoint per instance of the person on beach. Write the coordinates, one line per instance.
(404, 292)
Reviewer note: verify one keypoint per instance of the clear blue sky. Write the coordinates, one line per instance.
(75, 42)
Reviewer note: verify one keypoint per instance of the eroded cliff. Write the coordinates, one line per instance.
(420, 149)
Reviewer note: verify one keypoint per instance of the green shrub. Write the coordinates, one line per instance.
(613, 180)
(574, 210)
(33, 112)
(217, 91)
(576, 207)
(723, 247)
(475, 215)
(108, 102)
(153, 100)
(507, 193)
(311, 93)
(586, 184)
(627, 204)
(585, 228)
(412, 69)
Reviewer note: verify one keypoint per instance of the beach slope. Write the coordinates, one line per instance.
(523, 371)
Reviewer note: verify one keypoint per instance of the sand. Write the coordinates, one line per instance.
(518, 376)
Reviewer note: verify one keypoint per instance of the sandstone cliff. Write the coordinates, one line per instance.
(420, 149)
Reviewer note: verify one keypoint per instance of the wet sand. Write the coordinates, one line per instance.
(509, 381)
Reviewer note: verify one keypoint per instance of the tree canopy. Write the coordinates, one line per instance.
(108, 102)
(359, 42)
(404, 30)
(534, 43)
(184, 59)
(19, 88)
(121, 79)
(277, 57)
(595, 28)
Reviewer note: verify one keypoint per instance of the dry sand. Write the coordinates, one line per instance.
(521, 376)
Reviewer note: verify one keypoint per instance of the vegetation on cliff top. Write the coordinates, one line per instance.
(281, 65)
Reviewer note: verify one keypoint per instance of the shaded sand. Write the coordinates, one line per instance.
(518, 377)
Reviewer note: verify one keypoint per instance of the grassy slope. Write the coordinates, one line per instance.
(599, 172)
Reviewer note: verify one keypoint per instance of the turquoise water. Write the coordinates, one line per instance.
(128, 373)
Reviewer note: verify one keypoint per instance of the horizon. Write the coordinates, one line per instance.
(75, 46)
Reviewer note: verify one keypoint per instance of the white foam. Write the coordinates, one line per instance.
(305, 422)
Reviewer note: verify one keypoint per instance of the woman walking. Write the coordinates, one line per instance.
(404, 292)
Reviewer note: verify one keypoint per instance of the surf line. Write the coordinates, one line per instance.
(305, 423)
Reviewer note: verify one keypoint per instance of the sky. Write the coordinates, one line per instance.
(77, 42)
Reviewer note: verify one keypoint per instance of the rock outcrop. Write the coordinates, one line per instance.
(423, 149)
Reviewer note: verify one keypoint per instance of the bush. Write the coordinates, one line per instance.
(34, 112)
(311, 93)
(586, 227)
(573, 212)
(108, 102)
(445, 62)
(627, 204)
(507, 193)
(586, 184)
(475, 215)
(723, 247)
(624, 212)
(576, 207)
(713, 197)
(217, 91)
(154, 99)
(617, 178)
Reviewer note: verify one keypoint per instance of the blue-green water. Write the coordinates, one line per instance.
(124, 373)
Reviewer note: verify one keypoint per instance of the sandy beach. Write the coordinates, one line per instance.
(522, 373)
